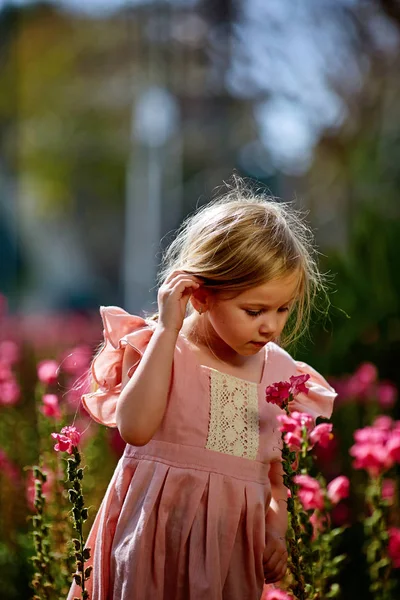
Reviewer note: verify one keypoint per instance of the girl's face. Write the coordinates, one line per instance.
(254, 317)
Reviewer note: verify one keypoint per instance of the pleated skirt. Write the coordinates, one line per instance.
(180, 523)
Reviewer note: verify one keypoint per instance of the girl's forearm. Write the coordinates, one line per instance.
(277, 515)
(143, 400)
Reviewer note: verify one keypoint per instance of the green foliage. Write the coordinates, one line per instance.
(363, 322)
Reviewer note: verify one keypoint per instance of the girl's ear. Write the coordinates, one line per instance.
(201, 299)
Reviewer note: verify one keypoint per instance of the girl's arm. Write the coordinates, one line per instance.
(142, 403)
(277, 517)
(275, 550)
(143, 399)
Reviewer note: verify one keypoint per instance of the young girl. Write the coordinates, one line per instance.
(196, 508)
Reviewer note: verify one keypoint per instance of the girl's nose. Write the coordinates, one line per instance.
(269, 324)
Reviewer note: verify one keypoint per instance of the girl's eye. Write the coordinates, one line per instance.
(284, 309)
(253, 313)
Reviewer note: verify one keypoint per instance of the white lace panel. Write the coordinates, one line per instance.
(234, 422)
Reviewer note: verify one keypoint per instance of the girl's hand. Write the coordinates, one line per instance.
(274, 557)
(173, 297)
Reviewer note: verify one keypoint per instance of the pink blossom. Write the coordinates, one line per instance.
(5, 371)
(288, 424)
(394, 546)
(9, 392)
(362, 383)
(387, 394)
(321, 434)
(303, 419)
(298, 384)
(377, 448)
(338, 489)
(372, 457)
(309, 493)
(393, 446)
(388, 490)
(9, 352)
(293, 440)
(383, 423)
(50, 407)
(371, 435)
(278, 393)
(367, 373)
(77, 360)
(67, 439)
(293, 427)
(47, 371)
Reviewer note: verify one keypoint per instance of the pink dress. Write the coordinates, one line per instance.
(183, 517)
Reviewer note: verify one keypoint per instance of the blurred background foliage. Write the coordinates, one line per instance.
(119, 118)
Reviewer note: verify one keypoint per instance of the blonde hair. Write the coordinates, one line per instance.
(246, 238)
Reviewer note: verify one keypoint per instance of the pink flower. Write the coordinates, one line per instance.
(288, 424)
(5, 371)
(67, 439)
(309, 493)
(362, 383)
(9, 352)
(377, 448)
(47, 371)
(298, 384)
(77, 360)
(278, 393)
(371, 435)
(372, 457)
(293, 440)
(383, 422)
(367, 373)
(388, 490)
(9, 392)
(393, 446)
(322, 434)
(303, 419)
(50, 406)
(394, 546)
(338, 489)
(387, 394)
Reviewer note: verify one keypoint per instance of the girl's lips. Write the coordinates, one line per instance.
(259, 344)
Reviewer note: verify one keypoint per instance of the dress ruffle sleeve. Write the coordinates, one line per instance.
(320, 398)
(120, 329)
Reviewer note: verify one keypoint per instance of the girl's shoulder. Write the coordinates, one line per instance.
(320, 397)
(119, 330)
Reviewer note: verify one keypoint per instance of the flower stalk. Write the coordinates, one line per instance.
(376, 544)
(79, 516)
(67, 441)
(42, 581)
(310, 556)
